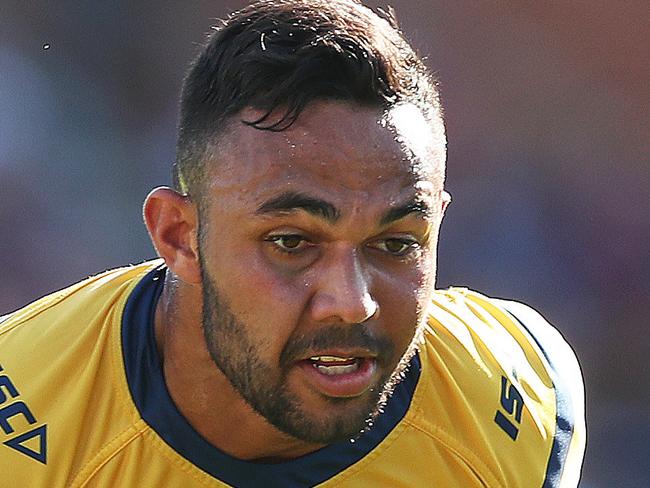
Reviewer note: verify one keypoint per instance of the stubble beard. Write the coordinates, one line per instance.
(236, 355)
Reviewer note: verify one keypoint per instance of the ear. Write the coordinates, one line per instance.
(172, 222)
(446, 200)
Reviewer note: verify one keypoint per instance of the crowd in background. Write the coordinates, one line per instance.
(548, 120)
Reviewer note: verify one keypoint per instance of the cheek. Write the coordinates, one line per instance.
(267, 303)
(403, 299)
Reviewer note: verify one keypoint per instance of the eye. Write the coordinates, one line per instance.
(396, 246)
(288, 243)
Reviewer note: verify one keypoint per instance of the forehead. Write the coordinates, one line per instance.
(333, 149)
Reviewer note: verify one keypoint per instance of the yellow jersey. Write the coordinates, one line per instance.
(494, 398)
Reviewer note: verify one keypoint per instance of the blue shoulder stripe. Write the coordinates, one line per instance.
(567, 384)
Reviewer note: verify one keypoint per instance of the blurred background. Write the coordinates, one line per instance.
(548, 116)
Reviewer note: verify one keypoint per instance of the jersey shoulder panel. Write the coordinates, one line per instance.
(569, 441)
(63, 396)
(495, 390)
(90, 289)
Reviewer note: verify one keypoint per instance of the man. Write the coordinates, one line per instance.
(291, 334)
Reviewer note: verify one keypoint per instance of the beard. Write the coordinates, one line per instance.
(265, 387)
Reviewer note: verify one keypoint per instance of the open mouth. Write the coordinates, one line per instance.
(339, 376)
(334, 365)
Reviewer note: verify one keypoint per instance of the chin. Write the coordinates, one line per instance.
(320, 419)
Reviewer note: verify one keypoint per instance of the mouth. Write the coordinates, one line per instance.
(335, 365)
(339, 376)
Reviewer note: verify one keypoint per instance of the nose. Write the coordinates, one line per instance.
(342, 291)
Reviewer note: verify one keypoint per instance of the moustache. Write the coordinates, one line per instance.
(354, 336)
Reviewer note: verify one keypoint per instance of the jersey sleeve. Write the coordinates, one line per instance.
(567, 451)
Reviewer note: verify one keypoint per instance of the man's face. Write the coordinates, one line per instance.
(317, 249)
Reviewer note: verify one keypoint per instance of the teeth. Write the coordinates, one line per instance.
(333, 365)
(334, 370)
(330, 359)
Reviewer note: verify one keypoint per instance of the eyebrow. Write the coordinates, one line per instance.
(416, 205)
(291, 201)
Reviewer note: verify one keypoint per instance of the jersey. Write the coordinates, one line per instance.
(493, 398)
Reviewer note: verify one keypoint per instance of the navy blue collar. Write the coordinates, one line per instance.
(149, 392)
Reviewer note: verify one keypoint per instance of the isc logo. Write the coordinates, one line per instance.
(11, 408)
(513, 404)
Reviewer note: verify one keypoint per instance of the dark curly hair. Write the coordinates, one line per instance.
(282, 55)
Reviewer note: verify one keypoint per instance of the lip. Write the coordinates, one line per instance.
(348, 385)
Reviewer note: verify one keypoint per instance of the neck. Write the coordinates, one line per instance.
(202, 393)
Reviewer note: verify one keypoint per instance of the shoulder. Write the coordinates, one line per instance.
(518, 383)
(59, 369)
(99, 290)
(561, 360)
(565, 460)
